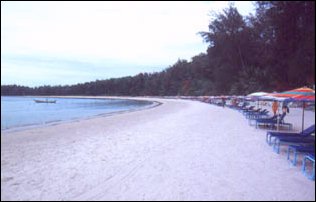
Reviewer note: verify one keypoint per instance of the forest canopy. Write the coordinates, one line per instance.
(273, 50)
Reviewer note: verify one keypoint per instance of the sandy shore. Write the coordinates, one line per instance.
(180, 150)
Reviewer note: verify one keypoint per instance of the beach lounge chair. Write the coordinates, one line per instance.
(260, 121)
(246, 109)
(253, 111)
(309, 158)
(306, 140)
(289, 125)
(257, 114)
(243, 106)
(267, 119)
(296, 149)
(270, 121)
(245, 112)
(253, 117)
(306, 132)
(273, 124)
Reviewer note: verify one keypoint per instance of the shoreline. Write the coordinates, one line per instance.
(181, 150)
(57, 122)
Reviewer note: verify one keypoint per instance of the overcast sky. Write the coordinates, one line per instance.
(52, 43)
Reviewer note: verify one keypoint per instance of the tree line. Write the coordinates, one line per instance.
(272, 50)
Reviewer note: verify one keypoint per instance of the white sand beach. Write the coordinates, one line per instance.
(180, 150)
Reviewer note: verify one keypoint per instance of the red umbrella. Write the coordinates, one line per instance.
(303, 94)
(298, 94)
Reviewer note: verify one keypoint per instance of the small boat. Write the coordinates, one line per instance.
(45, 101)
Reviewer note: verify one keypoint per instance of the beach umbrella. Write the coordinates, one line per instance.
(303, 95)
(298, 94)
(270, 97)
(256, 96)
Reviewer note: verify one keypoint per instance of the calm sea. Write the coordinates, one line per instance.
(23, 111)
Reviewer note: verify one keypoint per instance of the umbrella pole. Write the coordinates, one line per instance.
(303, 116)
(278, 117)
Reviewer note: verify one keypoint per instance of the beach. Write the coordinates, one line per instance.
(179, 150)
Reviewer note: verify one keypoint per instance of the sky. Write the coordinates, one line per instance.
(65, 43)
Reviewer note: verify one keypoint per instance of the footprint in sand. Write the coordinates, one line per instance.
(6, 179)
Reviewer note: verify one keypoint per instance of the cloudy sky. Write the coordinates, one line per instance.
(58, 43)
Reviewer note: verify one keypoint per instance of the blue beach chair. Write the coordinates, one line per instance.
(271, 122)
(308, 131)
(245, 112)
(256, 112)
(309, 158)
(306, 140)
(257, 115)
(296, 149)
(246, 109)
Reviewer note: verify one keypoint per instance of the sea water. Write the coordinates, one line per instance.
(18, 111)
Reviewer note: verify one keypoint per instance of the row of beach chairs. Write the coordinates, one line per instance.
(298, 144)
(260, 117)
(302, 143)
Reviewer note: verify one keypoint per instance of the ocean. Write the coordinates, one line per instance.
(19, 111)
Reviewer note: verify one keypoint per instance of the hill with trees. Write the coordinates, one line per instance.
(271, 50)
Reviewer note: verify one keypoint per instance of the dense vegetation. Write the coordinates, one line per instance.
(273, 50)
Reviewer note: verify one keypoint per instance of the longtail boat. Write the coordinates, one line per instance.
(45, 101)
